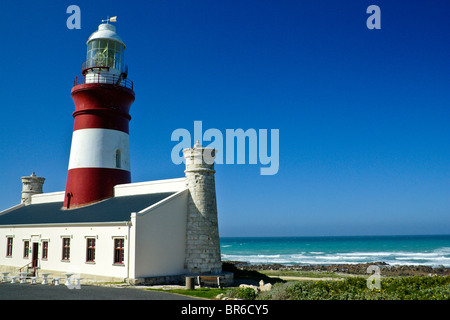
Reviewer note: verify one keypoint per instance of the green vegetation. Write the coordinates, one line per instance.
(400, 288)
(405, 288)
(205, 293)
(241, 293)
(350, 288)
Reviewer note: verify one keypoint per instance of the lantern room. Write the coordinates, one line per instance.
(105, 56)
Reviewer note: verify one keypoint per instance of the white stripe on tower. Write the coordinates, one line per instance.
(100, 148)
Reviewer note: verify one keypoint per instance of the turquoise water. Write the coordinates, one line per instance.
(395, 250)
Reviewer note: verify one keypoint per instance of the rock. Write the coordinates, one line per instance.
(356, 269)
(249, 286)
(264, 286)
(220, 296)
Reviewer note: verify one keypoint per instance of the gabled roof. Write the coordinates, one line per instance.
(117, 209)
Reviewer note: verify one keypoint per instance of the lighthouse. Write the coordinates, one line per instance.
(102, 227)
(99, 155)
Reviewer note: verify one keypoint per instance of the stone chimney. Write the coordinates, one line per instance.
(31, 185)
(202, 235)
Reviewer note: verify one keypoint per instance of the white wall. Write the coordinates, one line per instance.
(104, 251)
(48, 197)
(160, 237)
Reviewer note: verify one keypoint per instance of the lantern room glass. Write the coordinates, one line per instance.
(105, 53)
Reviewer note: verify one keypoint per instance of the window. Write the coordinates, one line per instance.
(90, 252)
(26, 248)
(66, 249)
(44, 249)
(118, 251)
(9, 246)
(105, 53)
(118, 159)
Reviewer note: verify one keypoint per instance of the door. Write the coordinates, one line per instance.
(35, 254)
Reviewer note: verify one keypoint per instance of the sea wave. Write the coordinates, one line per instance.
(438, 257)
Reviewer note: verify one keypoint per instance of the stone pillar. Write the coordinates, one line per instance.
(31, 185)
(202, 235)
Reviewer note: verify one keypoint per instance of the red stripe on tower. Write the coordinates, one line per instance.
(99, 154)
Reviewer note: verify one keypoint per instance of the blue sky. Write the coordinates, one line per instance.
(363, 115)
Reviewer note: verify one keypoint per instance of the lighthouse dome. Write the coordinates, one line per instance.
(106, 31)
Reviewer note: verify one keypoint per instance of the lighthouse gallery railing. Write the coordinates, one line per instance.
(103, 78)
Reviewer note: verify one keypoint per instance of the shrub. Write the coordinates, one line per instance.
(406, 288)
(279, 292)
(245, 293)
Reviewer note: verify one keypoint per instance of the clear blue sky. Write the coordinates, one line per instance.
(363, 114)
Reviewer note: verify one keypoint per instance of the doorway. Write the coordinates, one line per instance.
(34, 263)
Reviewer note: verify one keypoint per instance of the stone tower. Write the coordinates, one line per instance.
(31, 185)
(202, 235)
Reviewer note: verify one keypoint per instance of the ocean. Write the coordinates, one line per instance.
(433, 250)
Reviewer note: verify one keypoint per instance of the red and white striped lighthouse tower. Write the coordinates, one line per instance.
(100, 155)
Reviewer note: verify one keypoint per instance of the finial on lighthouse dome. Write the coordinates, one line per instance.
(197, 144)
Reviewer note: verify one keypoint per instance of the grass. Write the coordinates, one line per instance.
(204, 293)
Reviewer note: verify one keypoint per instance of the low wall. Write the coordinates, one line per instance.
(179, 279)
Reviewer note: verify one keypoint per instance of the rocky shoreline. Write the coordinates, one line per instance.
(353, 269)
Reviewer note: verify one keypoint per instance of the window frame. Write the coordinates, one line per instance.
(119, 251)
(26, 249)
(9, 246)
(90, 250)
(44, 250)
(118, 159)
(65, 249)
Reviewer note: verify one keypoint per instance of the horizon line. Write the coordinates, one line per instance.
(335, 236)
